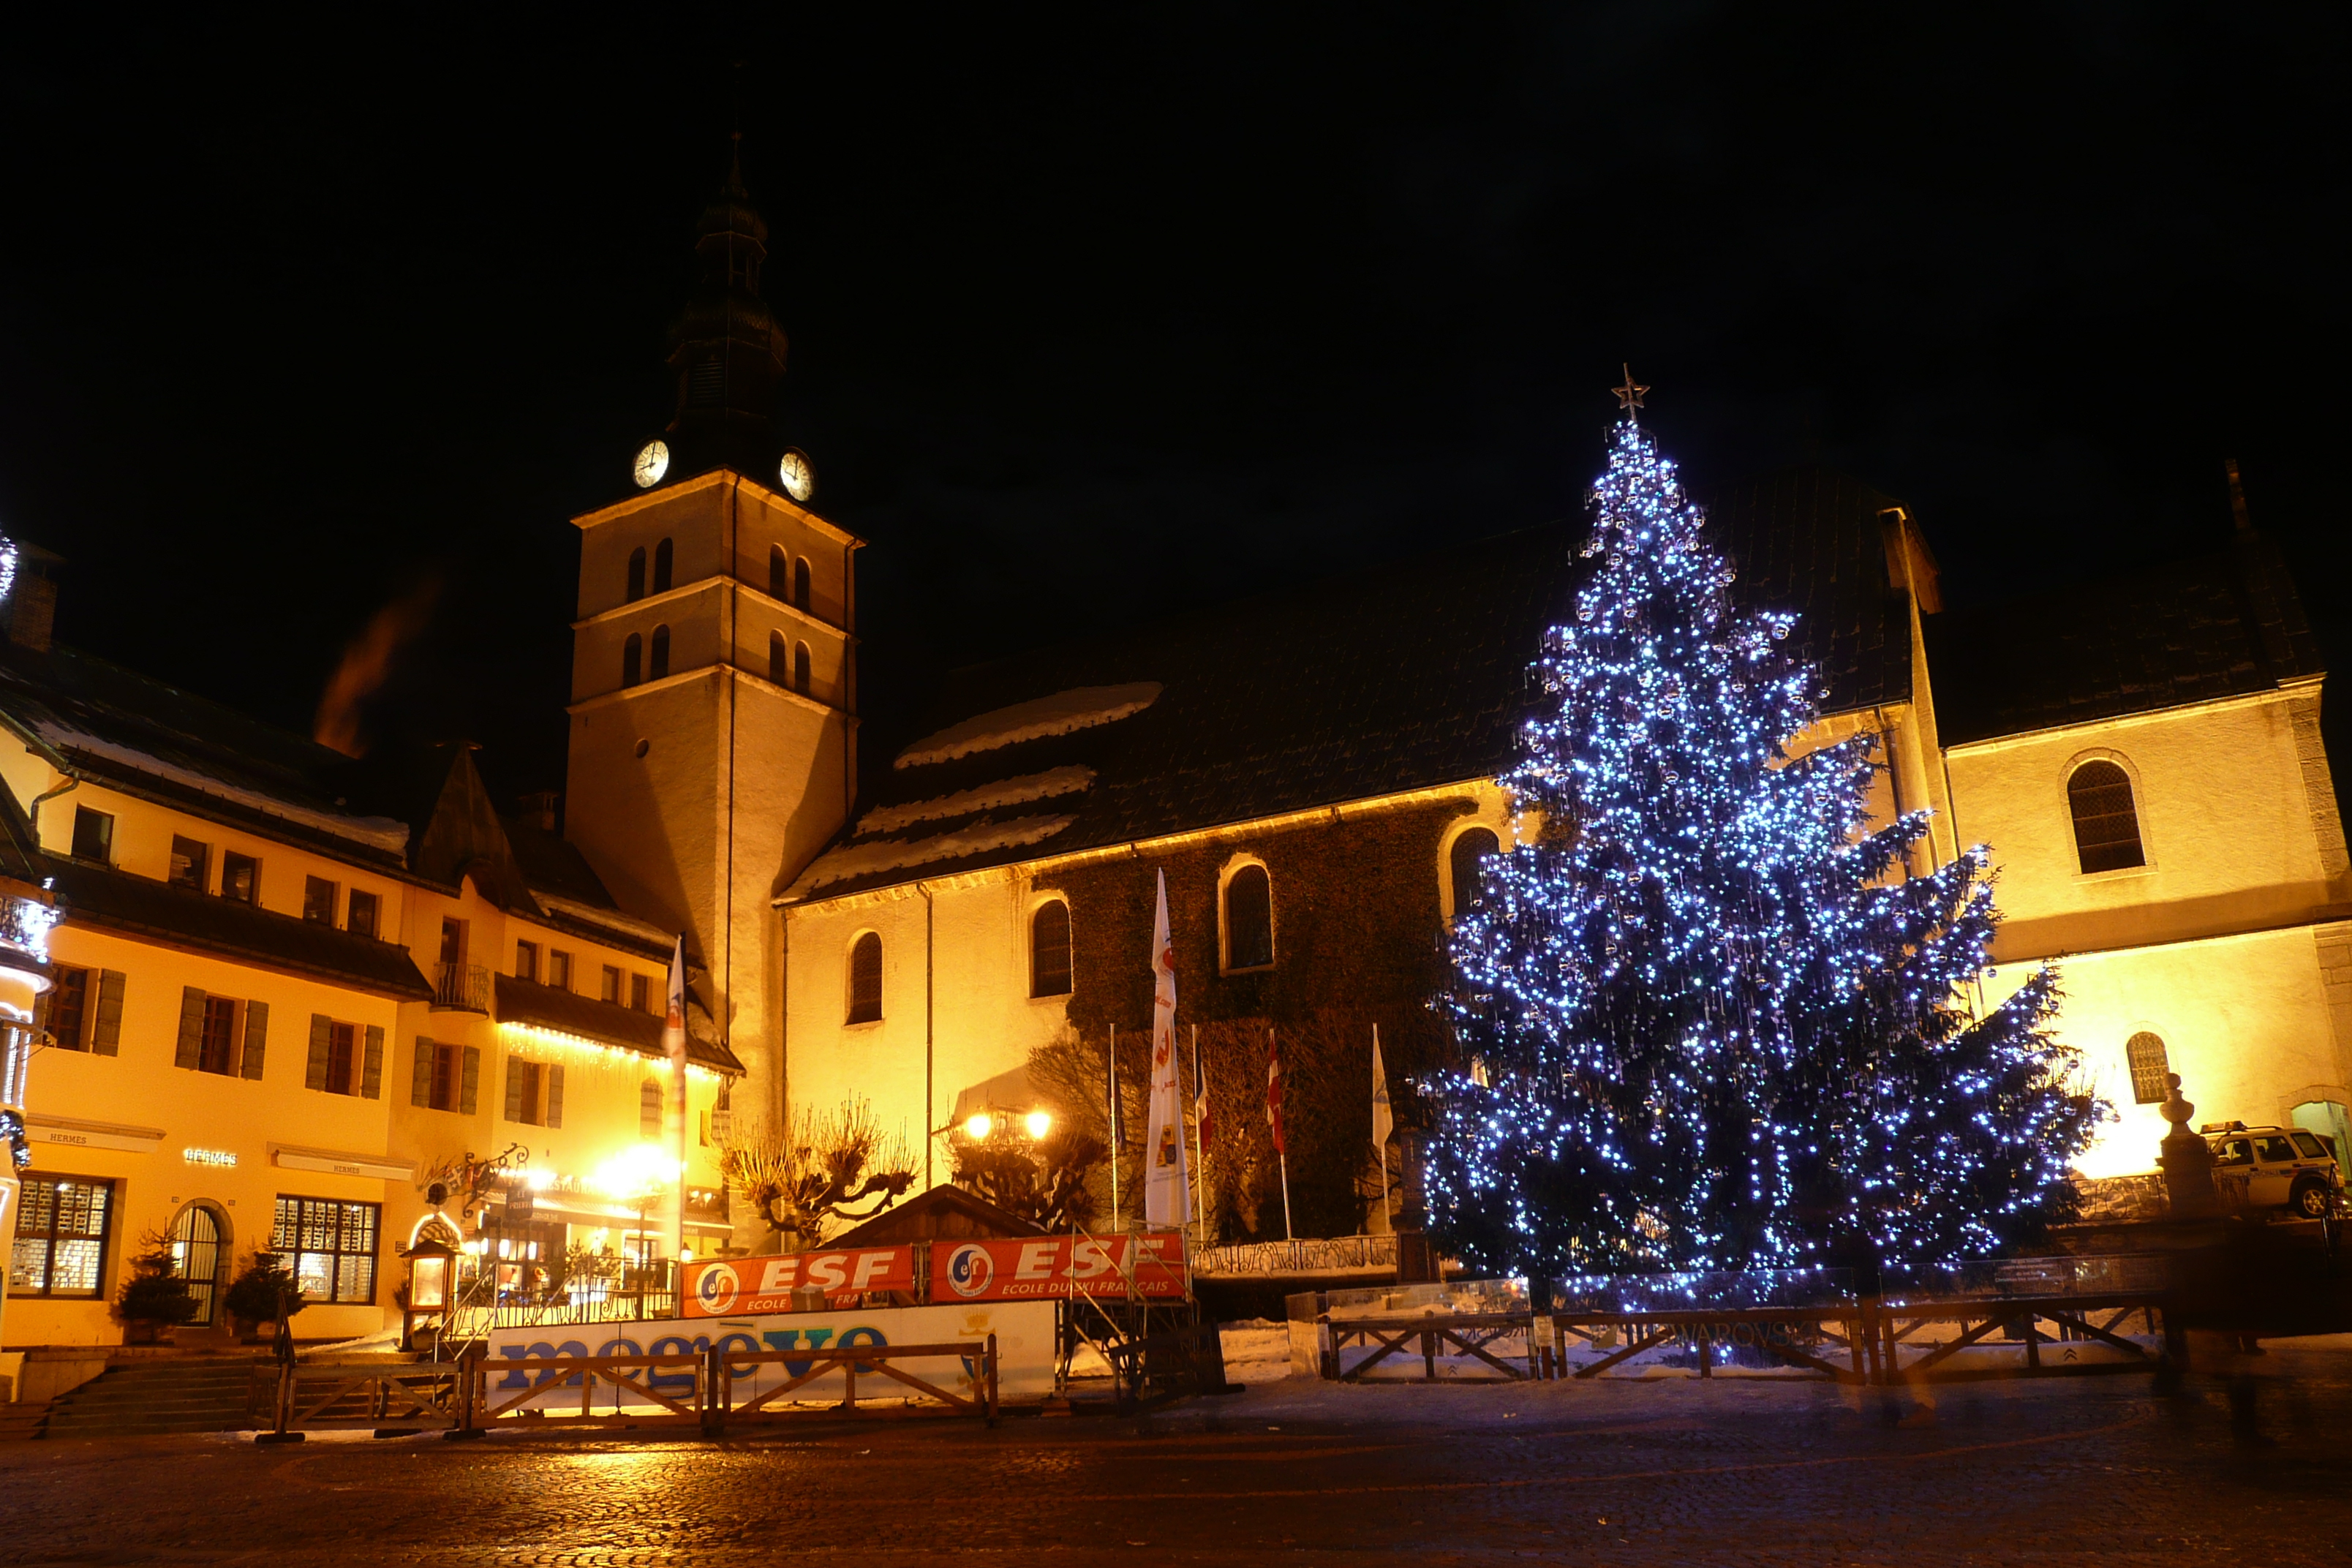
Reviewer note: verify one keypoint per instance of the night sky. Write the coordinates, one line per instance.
(1095, 315)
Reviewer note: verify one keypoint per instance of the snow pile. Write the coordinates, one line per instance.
(1062, 713)
(377, 831)
(610, 919)
(984, 797)
(863, 860)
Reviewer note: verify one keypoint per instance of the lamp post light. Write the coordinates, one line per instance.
(432, 1277)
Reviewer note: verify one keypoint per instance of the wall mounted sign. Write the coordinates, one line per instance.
(1056, 1266)
(371, 1167)
(80, 1134)
(736, 1286)
(224, 1159)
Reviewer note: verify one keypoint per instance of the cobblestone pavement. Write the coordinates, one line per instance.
(2249, 1466)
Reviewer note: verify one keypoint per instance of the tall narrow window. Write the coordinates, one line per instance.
(633, 653)
(865, 979)
(1249, 920)
(526, 960)
(779, 574)
(779, 661)
(93, 837)
(360, 918)
(612, 990)
(190, 860)
(801, 584)
(649, 1109)
(240, 878)
(558, 969)
(2143, 1053)
(342, 1047)
(1049, 950)
(637, 573)
(319, 901)
(217, 1042)
(801, 669)
(2106, 824)
(658, 665)
(1471, 849)
(661, 567)
(640, 994)
(68, 1005)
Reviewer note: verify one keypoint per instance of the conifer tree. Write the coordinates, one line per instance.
(1710, 1018)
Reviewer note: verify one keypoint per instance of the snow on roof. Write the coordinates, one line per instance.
(984, 797)
(874, 854)
(610, 919)
(376, 832)
(1060, 714)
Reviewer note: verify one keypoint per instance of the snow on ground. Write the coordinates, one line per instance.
(892, 854)
(1062, 713)
(985, 797)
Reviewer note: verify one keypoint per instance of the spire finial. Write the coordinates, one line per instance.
(2238, 498)
(1628, 397)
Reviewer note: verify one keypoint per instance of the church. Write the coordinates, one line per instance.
(963, 927)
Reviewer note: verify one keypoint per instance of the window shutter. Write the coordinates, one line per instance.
(257, 1039)
(106, 1031)
(514, 1088)
(372, 1067)
(420, 1081)
(321, 1028)
(555, 1097)
(469, 1077)
(191, 1028)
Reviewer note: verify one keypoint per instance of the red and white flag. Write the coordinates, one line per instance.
(674, 1047)
(1273, 1092)
(1166, 1192)
(1202, 1117)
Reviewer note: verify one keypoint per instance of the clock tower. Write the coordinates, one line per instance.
(714, 695)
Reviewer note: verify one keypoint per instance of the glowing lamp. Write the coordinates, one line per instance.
(432, 1274)
(1038, 1124)
(980, 1127)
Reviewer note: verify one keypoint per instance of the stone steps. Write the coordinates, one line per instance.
(24, 1420)
(197, 1396)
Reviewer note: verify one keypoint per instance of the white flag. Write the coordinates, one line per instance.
(1167, 1194)
(1383, 1123)
(674, 1047)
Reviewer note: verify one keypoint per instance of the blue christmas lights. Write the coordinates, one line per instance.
(1721, 1022)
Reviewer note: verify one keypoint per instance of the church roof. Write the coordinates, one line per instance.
(2227, 623)
(1412, 677)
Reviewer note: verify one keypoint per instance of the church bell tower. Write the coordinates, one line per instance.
(714, 694)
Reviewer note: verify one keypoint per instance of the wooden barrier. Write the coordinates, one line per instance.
(1470, 1332)
(628, 1376)
(315, 1395)
(722, 1368)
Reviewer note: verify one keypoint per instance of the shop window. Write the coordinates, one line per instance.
(2106, 822)
(240, 878)
(1049, 950)
(1473, 847)
(526, 960)
(1249, 919)
(360, 919)
(331, 1244)
(633, 654)
(190, 861)
(658, 664)
(636, 588)
(93, 836)
(865, 979)
(63, 1226)
(319, 901)
(2144, 1054)
(649, 1109)
(662, 556)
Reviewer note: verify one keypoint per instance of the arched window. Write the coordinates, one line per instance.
(1249, 920)
(660, 666)
(1049, 950)
(661, 567)
(637, 573)
(649, 1109)
(801, 584)
(780, 572)
(2106, 826)
(865, 979)
(2143, 1053)
(801, 669)
(633, 653)
(779, 661)
(1472, 847)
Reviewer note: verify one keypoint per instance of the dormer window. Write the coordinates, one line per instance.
(2107, 821)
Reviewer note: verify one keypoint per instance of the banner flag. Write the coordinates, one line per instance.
(674, 1047)
(1200, 1115)
(1273, 1092)
(1383, 1120)
(1167, 1191)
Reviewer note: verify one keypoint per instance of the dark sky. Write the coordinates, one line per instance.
(1097, 313)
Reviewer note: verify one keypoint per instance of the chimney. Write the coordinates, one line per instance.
(32, 611)
(540, 808)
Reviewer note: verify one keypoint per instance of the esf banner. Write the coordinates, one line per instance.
(1025, 1352)
(745, 1287)
(1052, 1266)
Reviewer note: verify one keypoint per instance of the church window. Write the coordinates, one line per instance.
(865, 979)
(801, 669)
(649, 1109)
(659, 664)
(1049, 950)
(1249, 920)
(801, 584)
(636, 575)
(2143, 1053)
(778, 662)
(2106, 824)
(779, 574)
(633, 653)
(1471, 847)
(661, 567)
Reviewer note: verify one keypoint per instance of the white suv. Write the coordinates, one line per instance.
(2280, 1166)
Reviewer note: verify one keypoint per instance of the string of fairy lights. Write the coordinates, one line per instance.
(1718, 1021)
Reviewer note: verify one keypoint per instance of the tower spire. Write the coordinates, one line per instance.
(726, 348)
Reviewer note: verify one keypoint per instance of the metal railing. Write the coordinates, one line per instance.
(1310, 1255)
(461, 988)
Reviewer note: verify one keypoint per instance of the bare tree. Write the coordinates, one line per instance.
(806, 1182)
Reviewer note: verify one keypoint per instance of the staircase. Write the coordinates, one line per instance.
(24, 1420)
(207, 1394)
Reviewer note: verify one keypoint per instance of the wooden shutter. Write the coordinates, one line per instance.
(106, 1029)
(554, 1076)
(191, 1028)
(257, 1039)
(372, 1066)
(514, 1087)
(469, 1077)
(321, 1036)
(420, 1082)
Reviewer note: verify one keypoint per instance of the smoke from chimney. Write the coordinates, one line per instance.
(367, 663)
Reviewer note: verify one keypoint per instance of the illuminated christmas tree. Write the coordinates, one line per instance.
(1716, 1020)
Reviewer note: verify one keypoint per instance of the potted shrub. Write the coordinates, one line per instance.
(262, 1296)
(154, 1297)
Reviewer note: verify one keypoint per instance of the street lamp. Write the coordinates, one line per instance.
(432, 1269)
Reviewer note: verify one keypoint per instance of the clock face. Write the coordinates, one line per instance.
(799, 475)
(653, 462)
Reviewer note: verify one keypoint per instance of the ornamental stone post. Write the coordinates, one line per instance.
(2188, 1163)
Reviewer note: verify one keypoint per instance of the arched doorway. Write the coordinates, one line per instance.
(200, 1257)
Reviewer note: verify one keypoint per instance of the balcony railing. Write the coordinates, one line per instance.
(461, 988)
(1319, 1255)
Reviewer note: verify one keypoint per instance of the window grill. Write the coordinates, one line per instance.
(2107, 824)
(2150, 1071)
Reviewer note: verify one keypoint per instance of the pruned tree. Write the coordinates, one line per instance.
(808, 1182)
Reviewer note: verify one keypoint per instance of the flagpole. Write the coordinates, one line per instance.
(1115, 1224)
(1282, 1157)
(1200, 1149)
